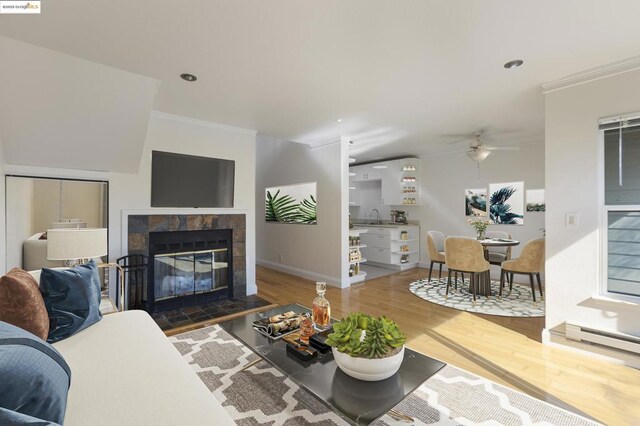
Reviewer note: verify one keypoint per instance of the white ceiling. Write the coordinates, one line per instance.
(60, 111)
(400, 75)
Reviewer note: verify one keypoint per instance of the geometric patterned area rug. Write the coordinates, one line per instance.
(517, 304)
(262, 395)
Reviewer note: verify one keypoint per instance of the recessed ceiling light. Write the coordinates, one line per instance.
(339, 120)
(513, 64)
(188, 77)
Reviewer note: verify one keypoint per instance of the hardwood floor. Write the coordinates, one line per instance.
(505, 350)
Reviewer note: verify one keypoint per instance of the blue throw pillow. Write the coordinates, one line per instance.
(34, 378)
(13, 418)
(72, 298)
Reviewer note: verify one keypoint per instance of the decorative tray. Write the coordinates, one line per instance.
(278, 326)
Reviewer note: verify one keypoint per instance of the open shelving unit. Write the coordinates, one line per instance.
(361, 275)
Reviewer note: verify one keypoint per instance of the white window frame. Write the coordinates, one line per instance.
(604, 218)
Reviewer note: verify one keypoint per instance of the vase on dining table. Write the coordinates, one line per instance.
(481, 235)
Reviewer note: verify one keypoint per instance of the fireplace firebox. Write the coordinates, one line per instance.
(188, 268)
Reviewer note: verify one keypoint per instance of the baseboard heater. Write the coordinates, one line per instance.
(609, 339)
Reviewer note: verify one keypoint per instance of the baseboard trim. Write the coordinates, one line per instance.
(400, 268)
(313, 276)
(558, 340)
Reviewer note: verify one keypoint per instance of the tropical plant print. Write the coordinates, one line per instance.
(500, 211)
(285, 209)
(308, 210)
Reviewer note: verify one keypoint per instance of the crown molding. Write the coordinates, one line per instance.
(604, 71)
(317, 145)
(201, 123)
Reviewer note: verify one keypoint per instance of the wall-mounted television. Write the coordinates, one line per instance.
(179, 180)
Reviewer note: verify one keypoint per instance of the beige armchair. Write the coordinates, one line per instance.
(466, 255)
(497, 255)
(435, 244)
(530, 262)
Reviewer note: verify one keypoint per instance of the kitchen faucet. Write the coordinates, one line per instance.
(377, 215)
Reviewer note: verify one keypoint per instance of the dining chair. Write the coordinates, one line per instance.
(435, 244)
(466, 255)
(497, 255)
(530, 262)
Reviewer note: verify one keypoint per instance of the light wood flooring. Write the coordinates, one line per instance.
(505, 350)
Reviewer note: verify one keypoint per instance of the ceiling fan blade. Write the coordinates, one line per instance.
(502, 131)
(460, 139)
(502, 148)
(458, 152)
(458, 135)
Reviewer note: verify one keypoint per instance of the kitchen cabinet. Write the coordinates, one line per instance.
(395, 247)
(391, 184)
(399, 180)
(366, 172)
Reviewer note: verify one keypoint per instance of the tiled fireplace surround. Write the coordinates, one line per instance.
(139, 226)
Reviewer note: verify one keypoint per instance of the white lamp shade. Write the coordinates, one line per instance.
(478, 154)
(69, 244)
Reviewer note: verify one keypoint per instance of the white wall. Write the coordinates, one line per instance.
(176, 134)
(19, 214)
(311, 251)
(444, 179)
(573, 185)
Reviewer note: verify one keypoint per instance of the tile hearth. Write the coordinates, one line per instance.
(186, 316)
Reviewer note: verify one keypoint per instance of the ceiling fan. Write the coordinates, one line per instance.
(478, 151)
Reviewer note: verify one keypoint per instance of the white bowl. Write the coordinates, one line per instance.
(370, 370)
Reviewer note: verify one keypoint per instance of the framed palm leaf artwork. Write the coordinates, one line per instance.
(506, 203)
(291, 204)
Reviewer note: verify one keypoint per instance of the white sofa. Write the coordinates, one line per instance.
(124, 371)
(34, 254)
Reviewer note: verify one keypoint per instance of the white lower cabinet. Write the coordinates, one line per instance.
(379, 255)
(392, 247)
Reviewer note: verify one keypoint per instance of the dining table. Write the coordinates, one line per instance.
(484, 287)
(496, 242)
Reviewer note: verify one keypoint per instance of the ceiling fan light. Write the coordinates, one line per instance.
(478, 154)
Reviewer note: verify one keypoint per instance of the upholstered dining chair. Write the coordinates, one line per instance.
(530, 262)
(435, 244)
(497, 255)
(466, 255)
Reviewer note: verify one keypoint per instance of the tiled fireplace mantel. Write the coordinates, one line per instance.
(159, 211)
(136, 225)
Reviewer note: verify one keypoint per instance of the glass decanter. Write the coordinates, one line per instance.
(321, 308)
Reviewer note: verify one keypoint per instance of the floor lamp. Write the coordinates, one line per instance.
(79, 246)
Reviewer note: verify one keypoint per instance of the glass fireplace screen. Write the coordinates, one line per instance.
(187, 273)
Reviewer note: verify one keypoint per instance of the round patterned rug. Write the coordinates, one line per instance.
(517, 304)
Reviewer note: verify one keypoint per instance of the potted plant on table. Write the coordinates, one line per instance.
(366, 347)
(480, 225)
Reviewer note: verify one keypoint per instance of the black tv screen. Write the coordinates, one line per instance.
(179, 180)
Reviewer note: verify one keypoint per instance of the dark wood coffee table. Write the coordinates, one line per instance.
(356, 401)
